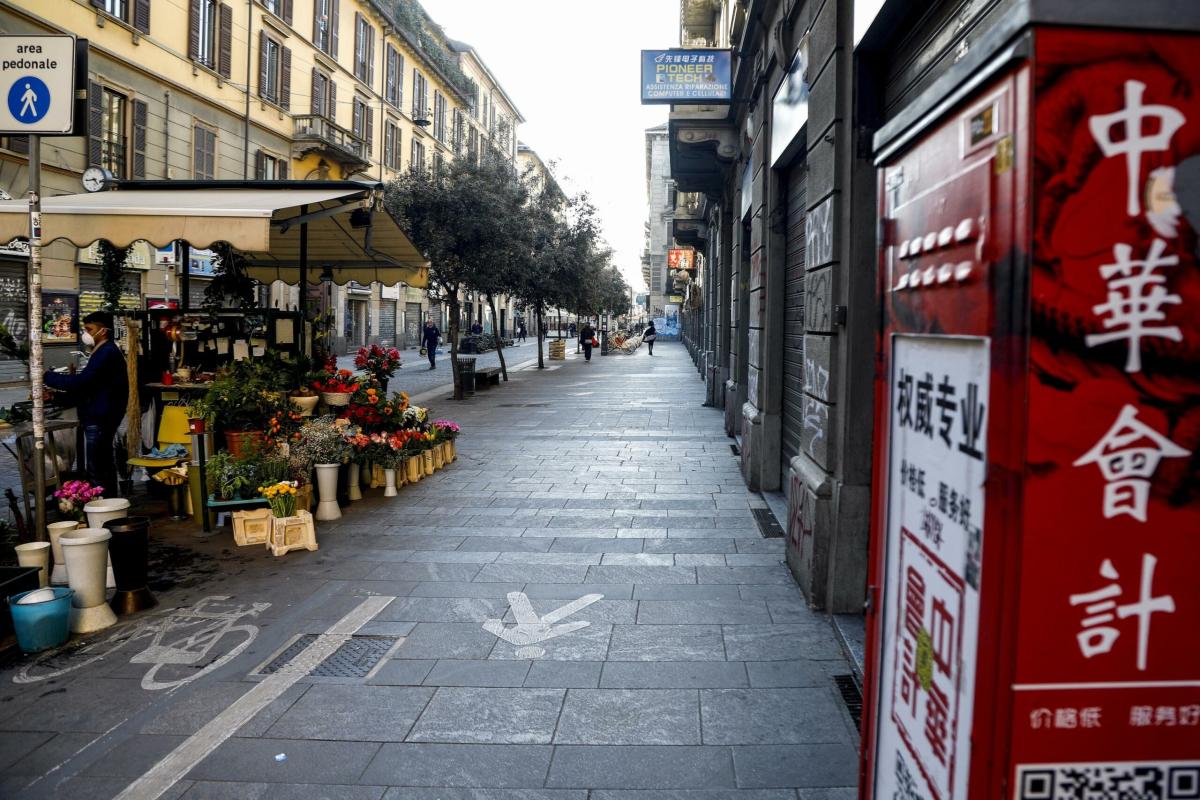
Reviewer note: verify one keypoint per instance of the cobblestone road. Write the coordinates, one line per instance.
(584, 609)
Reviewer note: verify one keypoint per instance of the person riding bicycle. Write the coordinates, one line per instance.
(649, 336)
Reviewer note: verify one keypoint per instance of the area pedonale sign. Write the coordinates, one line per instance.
(697, 75)
(37, 81)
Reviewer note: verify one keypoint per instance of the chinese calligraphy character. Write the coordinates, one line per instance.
(904, 390)
(1098, 635)
(1165, 715)
(1135, 140)
(946, 404)
(1128, 454)
(1066, 718)
(1135, 301)
(973, 414)
(937, 715)
(1141, 716)
(1089, 717)
(914, 615)
(1040, 718)
(924, 421)
(1189, 715)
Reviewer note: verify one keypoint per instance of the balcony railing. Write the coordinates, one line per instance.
(330, 137)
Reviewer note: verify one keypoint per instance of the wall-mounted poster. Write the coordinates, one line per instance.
(60, 318)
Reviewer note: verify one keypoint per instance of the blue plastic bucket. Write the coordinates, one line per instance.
(40, 626)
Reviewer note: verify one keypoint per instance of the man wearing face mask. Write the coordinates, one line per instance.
(100, 392)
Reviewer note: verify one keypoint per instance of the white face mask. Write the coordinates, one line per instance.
(88, 339)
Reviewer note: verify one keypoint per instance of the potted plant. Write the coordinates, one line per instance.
(324, 448)
(291, 528)
(336, 386)
(380, 363)
(447, 432)
(242, 404)
(72, 496)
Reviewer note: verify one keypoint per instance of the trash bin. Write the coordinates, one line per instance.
(466, 371)
(130, 551)
(43, 623)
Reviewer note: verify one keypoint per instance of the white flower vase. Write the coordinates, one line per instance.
(86, 553)
(101, 511)
(36, 554)
(327, 480)
(355, 487)
(389, 487)
(58, 575)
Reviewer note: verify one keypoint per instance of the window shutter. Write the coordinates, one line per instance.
(285, 78)
(356, 118)
(95, 124)
(194, 30)
(262, 64)
(370, 128)
(98, 4)
(371, 57)
(197, 152)
(318, 93)
(399, 84)
(281, 169)
(316, 37)
(332, 106)
(140, 114)
(333, 29)
(141, 15)
(387, 144)
(225, 43)
(260, 165)
(358, 43)
(287, 11)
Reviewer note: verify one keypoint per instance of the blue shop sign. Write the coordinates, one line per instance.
(696, 75)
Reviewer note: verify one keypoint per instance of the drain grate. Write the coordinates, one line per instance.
(767, 524)
(735, 449)
(354, 659)
(851, 696)
(522, 405)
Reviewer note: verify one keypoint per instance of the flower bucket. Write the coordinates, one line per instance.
(240, 443)
(306, 403)
(451, 450)
(412, 469)
(354, 481)
(427, 462)
(336, 399)
(389, 489)
(43, 623)
(439, 457)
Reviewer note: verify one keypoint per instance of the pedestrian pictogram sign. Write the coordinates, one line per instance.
(37, 80)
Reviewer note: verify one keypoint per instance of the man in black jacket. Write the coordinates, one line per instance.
(101, 392)
(430, 336)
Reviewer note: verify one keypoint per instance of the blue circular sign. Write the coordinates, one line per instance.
(28, 99)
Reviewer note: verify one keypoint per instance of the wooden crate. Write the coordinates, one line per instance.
(252, 527)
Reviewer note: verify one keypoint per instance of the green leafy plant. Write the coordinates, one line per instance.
(230, 284)
(240, 400)
(112, 281)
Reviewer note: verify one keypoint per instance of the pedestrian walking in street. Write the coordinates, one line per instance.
(649, 336)
(521, 332)
(101, 392)
(476, 329)
(587, 338)
(430, 336)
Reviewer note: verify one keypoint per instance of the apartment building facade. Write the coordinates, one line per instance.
(242, 89)
(660, 209)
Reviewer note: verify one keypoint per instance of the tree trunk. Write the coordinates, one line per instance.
(499, 336)
(541, 335)
(454, 319)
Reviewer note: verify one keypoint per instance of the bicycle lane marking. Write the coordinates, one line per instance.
(171, 769)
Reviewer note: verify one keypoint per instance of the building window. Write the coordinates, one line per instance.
(324, 99)
(439, 164)
(473, 95)
(268, 167)
(393, 89)
(325, 24)
(206, 42)
(364, 50)
(417, 162)
(457, 140)
(439, 116)
(473, 144)
(391, 146)
(116, 8)
(113, 139)
(204, 152)
(274, 6)
(274, 71)
(363, 122)
(420, 105)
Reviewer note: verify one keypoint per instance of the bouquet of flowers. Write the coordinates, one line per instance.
(321, 442)
(445, 429)
(380, 363)
(72, 496)
(374, 412)
(414, 417)
(340, 381)
(281, 497)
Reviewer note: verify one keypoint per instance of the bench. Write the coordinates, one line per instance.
(486, 376)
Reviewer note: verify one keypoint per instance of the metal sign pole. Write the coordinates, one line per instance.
(35, 334)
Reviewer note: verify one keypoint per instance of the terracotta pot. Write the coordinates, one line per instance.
(241, 442)
(427, 462)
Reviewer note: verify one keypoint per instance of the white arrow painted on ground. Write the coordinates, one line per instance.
(531, 629)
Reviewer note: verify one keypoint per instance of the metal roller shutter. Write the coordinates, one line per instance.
(91, 292)
(14, 313)
(413, 323)
(793, 318)
(387, 323)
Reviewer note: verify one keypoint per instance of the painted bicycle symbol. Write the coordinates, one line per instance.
(182, 647)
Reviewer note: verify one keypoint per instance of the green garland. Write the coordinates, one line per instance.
(112, 275)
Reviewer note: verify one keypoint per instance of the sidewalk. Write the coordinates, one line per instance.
(681, 657)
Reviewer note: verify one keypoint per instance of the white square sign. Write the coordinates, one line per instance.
(37, 84)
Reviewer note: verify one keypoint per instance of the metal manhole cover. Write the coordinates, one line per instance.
(768, 526)
(354, 659)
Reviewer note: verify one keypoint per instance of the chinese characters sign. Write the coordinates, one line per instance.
(939, 420)
(687, 76)
(1107, 680)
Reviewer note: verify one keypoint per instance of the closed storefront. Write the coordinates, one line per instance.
(91, 292)
(14, 314)
(793, 317)
(387, 323)
(412, 324)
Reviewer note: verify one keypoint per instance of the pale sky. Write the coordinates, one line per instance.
(572, 68)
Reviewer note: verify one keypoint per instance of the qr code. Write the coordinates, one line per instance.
(1161, 780)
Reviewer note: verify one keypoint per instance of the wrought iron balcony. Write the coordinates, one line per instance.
(316, 133)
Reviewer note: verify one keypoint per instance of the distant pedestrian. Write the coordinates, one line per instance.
(571, 329)
(586, 337)
(521, 332)
(476, 329)
(649, 336)
(430, 336)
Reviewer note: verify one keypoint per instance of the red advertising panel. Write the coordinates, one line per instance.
(681, 258)
(1107, 684)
